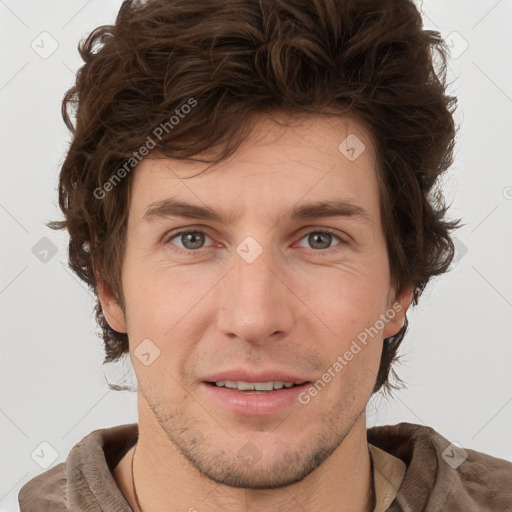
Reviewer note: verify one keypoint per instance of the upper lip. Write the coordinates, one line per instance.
(261, 376)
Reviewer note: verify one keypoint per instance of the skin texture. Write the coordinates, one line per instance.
(297, 307)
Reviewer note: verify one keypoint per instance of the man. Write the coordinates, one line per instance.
(248, 192)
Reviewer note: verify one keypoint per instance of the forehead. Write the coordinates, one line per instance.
(312, 159)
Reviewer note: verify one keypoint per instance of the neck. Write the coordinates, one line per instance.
(165, 480)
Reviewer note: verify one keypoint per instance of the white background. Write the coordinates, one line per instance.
(457, 355)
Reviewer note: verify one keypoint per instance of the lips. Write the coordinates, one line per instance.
(253, 403)
(254, 393)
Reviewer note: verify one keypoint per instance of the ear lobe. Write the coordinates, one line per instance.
(111, 309)
(396, 312)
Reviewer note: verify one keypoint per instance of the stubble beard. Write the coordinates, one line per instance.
(227, 466)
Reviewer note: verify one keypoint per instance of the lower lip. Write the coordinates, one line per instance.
(254, 404)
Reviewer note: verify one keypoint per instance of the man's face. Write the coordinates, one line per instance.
(259, 296)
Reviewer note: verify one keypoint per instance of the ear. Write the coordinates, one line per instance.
(395, 313)
(111, 309)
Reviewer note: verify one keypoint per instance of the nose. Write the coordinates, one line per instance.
(256, 301)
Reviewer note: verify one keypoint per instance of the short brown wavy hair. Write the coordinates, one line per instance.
(368, 58)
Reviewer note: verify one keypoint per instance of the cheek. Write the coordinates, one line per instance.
(350, 307)
(165, 304)
(160, 309)
(349, 300)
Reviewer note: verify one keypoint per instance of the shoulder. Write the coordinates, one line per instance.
(46, 492)
(85, 480)
(485, 480)
(443, 476)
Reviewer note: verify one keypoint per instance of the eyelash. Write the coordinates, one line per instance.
(168, 240)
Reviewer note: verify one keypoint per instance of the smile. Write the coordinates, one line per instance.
(255, 387)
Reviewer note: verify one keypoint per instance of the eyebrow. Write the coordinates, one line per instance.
(334, 208)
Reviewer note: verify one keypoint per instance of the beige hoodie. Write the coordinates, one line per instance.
(439, 477)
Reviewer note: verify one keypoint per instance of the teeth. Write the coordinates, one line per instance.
(262, 386)
(253, 386)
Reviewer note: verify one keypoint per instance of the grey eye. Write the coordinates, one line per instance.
(190, 240)
(319, 240)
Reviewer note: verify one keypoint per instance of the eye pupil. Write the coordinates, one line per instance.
(314, 237)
